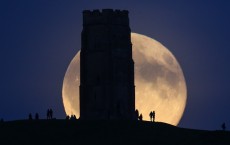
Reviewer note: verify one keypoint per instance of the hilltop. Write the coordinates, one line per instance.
(67, 132)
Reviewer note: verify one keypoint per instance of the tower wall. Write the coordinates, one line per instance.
(107, 68)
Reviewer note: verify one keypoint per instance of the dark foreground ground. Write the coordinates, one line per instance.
(66, 132)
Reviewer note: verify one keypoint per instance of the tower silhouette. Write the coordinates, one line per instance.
(107, 90)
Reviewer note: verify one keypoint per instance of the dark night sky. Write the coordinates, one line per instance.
(38, 39)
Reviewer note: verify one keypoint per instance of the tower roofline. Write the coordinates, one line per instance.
(105, 16)
(106, 11)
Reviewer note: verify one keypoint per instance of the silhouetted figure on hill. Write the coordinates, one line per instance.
(30, 117)
(51, 114)
(36, 116)
(151, 116)
(140, 117)
(137, 114)
(223, 126)
(73, 117)
(67, 117)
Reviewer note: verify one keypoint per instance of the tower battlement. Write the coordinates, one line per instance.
(106, 16)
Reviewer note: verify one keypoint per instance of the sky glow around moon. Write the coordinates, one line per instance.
(159, 81)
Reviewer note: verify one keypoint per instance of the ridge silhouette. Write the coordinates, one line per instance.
(46, 132)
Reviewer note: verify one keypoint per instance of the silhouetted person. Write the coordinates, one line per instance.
(137, 114)
(73, 117)
(151, 116)
(67, 117)
(30, 117)
(51, 114)
(36, 116)
(223, 126)
(140, 117)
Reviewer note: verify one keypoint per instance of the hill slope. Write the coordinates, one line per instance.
(66, 132)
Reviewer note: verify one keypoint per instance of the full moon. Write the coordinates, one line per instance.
(159, 81)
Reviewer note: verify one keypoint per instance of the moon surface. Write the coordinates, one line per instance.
(159, 81)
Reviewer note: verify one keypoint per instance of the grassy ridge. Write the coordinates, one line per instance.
(66, 132)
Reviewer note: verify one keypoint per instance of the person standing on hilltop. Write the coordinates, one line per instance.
(140, 117)
(151, 115)
(223, 126)
(30, 117)
(51, 114)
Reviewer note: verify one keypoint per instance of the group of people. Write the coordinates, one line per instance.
(49, 114)
(140, 117)
(36, 116)
(72, 117)
(152, 116)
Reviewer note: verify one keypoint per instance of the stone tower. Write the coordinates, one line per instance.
(107, 90)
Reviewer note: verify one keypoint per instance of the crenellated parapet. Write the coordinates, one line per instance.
(105, 17)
